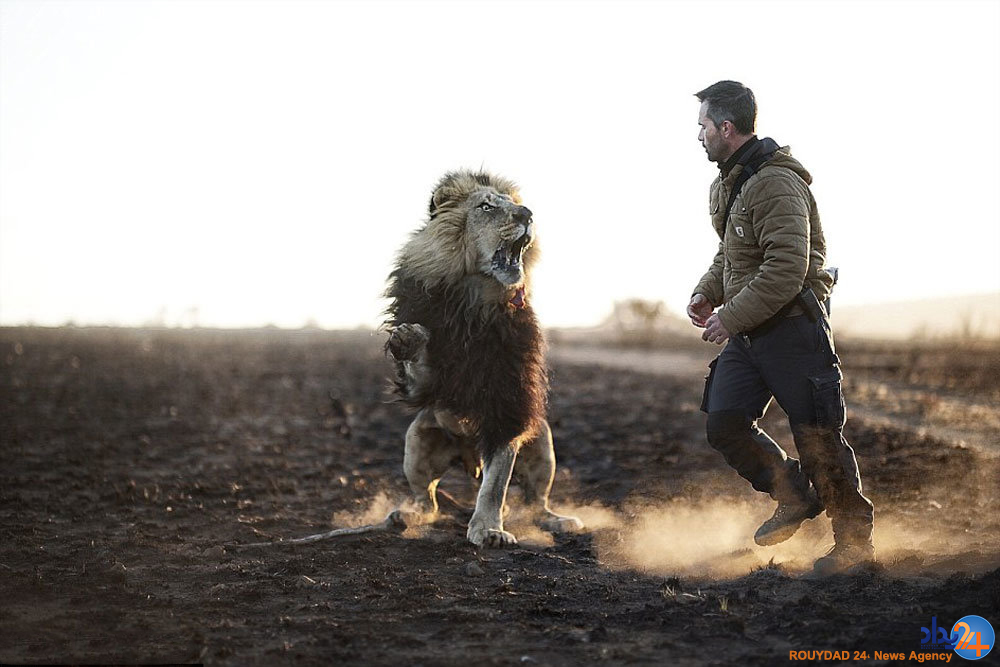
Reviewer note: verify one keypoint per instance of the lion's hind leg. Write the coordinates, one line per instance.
(429, 453)
(535, 469)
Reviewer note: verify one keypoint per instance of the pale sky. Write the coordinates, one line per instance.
(263, 161)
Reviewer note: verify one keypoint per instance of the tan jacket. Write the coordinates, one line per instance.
(773, 243)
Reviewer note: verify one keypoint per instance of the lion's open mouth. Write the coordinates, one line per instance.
(508, 256)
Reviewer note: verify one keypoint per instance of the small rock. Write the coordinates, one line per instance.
(117, 572)
(218, 551)
(935, 504)
(474, 569)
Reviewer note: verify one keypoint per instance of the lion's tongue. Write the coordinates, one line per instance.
(518, 299)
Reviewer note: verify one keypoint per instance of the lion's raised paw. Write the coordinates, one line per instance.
(406, 341)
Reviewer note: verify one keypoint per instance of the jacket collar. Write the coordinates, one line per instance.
(736, 157)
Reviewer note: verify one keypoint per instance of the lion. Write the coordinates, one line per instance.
(469, 355)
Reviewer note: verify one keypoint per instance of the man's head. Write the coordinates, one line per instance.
(727, 117)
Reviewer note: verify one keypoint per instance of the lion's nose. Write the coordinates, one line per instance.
(522, 214)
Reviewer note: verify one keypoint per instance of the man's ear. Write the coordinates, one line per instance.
(726, 128)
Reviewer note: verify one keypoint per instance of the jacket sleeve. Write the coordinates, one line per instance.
(781, 223)
(711, 283)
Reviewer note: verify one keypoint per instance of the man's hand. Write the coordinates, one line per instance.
(699, 310)
(715, 331)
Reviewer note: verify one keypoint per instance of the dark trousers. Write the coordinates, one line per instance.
(792, 360)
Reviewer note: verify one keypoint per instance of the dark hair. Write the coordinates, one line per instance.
(732, 101)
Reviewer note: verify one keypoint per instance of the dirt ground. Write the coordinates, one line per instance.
(133, 463)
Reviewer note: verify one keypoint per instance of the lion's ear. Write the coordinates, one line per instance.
(441, 196)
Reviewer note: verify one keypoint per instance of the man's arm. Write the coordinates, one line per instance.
(781, 221)
(711, 283)
(708, 294)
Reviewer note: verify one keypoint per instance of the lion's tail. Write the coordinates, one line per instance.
(387, 524)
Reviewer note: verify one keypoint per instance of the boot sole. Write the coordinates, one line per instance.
(779, 535)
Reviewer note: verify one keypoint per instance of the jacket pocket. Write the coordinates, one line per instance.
(828, 397)
(739, 229)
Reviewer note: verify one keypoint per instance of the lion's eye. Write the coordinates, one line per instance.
(486, 207)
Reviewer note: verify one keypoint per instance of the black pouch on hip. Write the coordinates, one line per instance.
(811, 305)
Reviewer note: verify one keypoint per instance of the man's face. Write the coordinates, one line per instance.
(710, 137)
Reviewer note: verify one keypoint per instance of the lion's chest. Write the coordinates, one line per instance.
(492, 373)
(491, 362)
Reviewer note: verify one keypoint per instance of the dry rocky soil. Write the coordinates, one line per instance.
(134, 463)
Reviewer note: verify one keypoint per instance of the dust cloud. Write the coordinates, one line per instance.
(708, 540)
(373, 512)
(712, 540)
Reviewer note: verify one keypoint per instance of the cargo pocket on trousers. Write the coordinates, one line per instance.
(708, 384)
(829, 399)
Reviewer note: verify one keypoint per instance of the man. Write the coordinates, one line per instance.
(769, 284)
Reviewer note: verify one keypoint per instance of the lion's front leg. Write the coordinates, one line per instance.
(535, 470)
(408, 346)
(486, 525)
